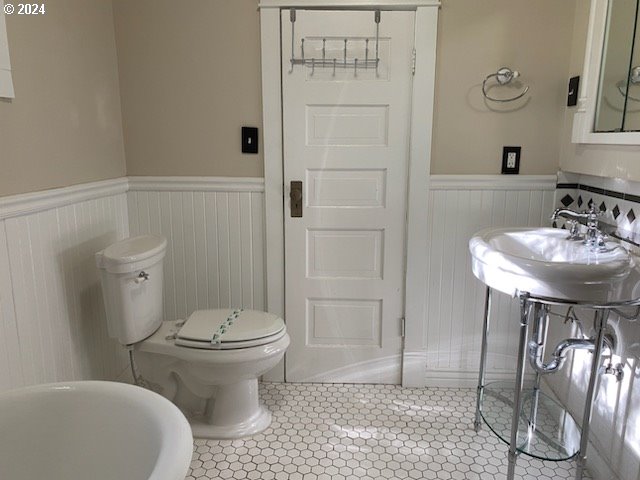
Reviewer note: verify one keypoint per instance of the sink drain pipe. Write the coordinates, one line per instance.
(559, 355)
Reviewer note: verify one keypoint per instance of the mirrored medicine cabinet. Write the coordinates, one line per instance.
(609, 102)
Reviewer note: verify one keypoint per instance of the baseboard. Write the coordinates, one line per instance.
(413, 367)
(596, 464)
(464, 378)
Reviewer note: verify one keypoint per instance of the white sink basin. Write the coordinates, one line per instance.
(542, 262)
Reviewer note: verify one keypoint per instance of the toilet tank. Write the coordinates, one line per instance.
(131, 274)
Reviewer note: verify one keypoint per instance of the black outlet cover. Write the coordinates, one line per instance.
(572, 95)
(506, 168)
(249, 140)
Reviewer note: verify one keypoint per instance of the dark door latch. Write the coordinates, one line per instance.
(296, 198)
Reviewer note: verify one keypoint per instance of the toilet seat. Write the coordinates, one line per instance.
(226, 329)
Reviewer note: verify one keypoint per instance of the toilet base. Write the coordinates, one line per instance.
(217, 390)
(256, 424)
(234, 412)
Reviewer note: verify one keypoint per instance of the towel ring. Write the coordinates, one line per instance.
(634, 78)
(503, 76)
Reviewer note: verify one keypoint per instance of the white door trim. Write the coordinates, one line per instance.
(350, 4)
(414, 358)
(273, 174)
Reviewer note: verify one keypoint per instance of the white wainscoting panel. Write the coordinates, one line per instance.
(215, 233)
(459, 206)
(52, 322)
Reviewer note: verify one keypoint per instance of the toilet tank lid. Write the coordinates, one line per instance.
(134, 249)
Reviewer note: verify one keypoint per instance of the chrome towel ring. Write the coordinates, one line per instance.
(503, 76)
(634, 79)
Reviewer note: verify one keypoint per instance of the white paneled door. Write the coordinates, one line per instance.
(346, 139)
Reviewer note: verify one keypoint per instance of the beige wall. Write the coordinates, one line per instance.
(603, 160)
(64, 126)
(476, 38)
(189, 79)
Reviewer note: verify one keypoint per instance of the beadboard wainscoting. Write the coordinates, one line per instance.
(459, 206)
(52, 323)
(215, 232)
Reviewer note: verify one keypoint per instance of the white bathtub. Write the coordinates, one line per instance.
(92, 430)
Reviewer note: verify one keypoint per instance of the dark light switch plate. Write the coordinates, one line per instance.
(249, 140)
(572, 94)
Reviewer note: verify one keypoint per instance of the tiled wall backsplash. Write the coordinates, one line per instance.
(617, 200)
(616, 417)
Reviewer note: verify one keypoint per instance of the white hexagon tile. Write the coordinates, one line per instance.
(341, 432)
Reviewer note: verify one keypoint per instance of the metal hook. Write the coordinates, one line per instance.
(345, 53)
(313, 65)
(302, 48)
(334, 67)
(377, 20)
(355, 67)
(503, 76)
(366, 53)
(292, 18)
(324, 44)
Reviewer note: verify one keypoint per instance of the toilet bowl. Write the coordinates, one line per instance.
(208, 364)
(217, 389)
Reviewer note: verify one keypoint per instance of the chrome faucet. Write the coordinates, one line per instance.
(593, 237)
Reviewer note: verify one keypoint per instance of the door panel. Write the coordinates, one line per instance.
(346, 136)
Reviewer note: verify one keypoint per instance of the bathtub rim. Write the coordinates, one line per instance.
(176, 449)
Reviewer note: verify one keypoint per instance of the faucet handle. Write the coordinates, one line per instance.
(574, 230)
(592, 216)
(593, 210)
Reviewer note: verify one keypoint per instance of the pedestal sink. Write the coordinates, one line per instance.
(544, 262)
(544, 267)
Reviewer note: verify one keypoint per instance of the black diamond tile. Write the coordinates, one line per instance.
(580, 201)
(567, 200)
(631, 216)
(616, 212)
(590, 203)
(603, 207)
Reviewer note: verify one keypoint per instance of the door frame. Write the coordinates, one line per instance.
(414, 355)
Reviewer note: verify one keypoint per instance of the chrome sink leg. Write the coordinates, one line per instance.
(477, 424)
(600, 322)
(517, 396)
(541, 319)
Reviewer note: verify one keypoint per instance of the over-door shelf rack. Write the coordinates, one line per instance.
(344, 62)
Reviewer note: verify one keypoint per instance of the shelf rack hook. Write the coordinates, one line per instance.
(503, 76)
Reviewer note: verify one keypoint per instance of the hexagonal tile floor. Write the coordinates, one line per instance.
(341, 432)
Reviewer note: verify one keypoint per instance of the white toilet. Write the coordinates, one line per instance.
(209, 364)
